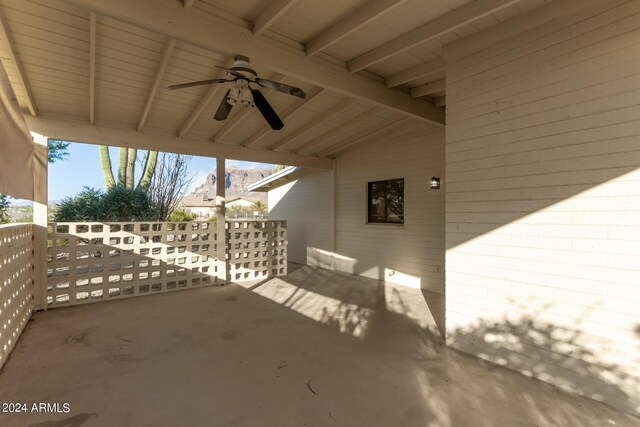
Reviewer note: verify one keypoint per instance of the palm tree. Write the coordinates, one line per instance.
(260, 207)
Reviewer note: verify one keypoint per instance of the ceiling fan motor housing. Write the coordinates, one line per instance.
(242, 58)
(241, 66)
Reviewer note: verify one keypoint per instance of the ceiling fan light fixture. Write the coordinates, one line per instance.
(246, 98)
(241, 75)
(233, 95)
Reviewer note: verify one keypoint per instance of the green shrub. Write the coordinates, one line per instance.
(117, 204)
(84, 206)
(127, 204)
(182, 215)
(4, 208)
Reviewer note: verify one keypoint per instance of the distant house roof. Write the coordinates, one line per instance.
(288, 174)
(198, 201)
(193, 201)
(239, 198)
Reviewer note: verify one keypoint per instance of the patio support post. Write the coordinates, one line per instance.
(334, 209)
(40, 221)
(221, 219)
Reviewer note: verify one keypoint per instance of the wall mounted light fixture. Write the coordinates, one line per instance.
(434, 184)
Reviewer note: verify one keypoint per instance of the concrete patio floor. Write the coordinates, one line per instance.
(314, 348)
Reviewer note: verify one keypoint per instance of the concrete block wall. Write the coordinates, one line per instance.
(16, 284)
(543, 197)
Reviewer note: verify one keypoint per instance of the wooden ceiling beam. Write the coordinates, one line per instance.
(195, 114)
(79, 131)
(218, 35)
(274, 10)
(414, 73)
(308, 147)
(429, 88)
(188, 4)
(444, 24)
(368, 136)
(230, 124)
(211, 92)
(307, 127)
(10, 47)
(359, 18)
(288, 112)
(169, 45)
(92, 67)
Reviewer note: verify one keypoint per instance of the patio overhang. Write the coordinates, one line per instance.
(97, 72)
(218, 35)
(130, 138)
(278, 179)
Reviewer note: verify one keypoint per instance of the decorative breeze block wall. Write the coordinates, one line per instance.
(16, 284)
(90, 262)
(256, 249)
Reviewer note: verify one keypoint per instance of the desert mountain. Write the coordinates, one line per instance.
(236, 181)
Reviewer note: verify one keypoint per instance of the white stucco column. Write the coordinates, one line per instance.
(221, 219)
(40, 220)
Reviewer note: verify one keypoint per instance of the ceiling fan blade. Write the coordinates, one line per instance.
(267, 112)
(198, 83)
(224, 109)
(281, 87)
(232, 72)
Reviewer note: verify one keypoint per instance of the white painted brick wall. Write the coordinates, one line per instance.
(306, 205)
(411, 254)
(543, 198)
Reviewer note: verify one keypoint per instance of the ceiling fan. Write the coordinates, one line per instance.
(241, 92)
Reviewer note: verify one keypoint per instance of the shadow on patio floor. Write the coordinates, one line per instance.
(314, 348)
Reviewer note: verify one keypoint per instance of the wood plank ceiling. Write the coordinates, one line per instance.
(102, 63)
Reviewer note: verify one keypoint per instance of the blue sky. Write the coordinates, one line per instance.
(82, 169)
